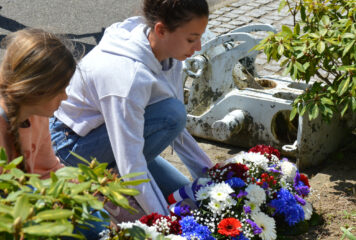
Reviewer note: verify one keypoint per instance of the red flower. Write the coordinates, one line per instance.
(265, 150)
(151, 219)
(232, 170)
(304, 179)
(229, 227)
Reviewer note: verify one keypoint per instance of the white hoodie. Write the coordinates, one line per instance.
(114, 84)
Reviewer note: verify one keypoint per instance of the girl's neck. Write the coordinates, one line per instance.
(155, 46)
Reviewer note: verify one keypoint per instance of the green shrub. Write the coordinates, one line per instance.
(322, 45)
(32, 208)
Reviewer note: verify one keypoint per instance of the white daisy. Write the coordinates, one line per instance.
(256, 194)
(220, 191)
(267, 224)
(229, 202)
(216, 207)
(308, 210)
(202, 193)
(289, 170)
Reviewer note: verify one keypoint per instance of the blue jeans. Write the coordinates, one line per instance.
(164, 121)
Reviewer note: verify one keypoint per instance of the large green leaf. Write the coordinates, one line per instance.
(120, 199)
(348, 47)
(80, 187)
(315, 112)
(56, 189)
(321, 47)
(328, 101)
(49, 229)
(325, 20)
(13, 163)
(280, 49)
(22, 208)
(96, 204)
(129, 191)
(344, 86)
(54, 214)
(134, 182)
(6, 223)
(68, 172)
(293, 113)
(287, 31)
(6, 209)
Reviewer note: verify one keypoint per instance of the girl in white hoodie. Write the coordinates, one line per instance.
(125, 101)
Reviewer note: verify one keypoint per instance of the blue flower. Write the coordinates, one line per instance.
(299, 186)
(193, 230)
(300, 200)
(285, 204)
(247, 209)
(256, 229)
(240, 195)
(236, 182)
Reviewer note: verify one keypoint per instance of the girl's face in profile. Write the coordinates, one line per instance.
(185, 40)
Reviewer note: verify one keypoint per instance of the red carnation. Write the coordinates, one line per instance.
(232, 170)
(151, 219)
(304, 179)
(229, 227)
(265, 150)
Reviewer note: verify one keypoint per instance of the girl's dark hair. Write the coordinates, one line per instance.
(37, 65)
(173, 13)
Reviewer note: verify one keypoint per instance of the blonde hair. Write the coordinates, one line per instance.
(37, 65)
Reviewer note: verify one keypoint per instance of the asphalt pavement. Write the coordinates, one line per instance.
(83, 20)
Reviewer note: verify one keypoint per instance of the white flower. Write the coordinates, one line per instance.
(255, 194)
(238, 158)
(202, 193)
(125, 225)
(274, 159)
(216, 207)
(229, 201)
(308, 210)
(267, 224)
(256, 158)
(150, 232)
(220, 191)
(289, 170)
(254, 207)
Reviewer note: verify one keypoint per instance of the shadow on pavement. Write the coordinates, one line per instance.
(13, 26)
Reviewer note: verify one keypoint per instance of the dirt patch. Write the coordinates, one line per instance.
(333, 187)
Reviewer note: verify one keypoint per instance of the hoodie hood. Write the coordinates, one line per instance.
(129, 39)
